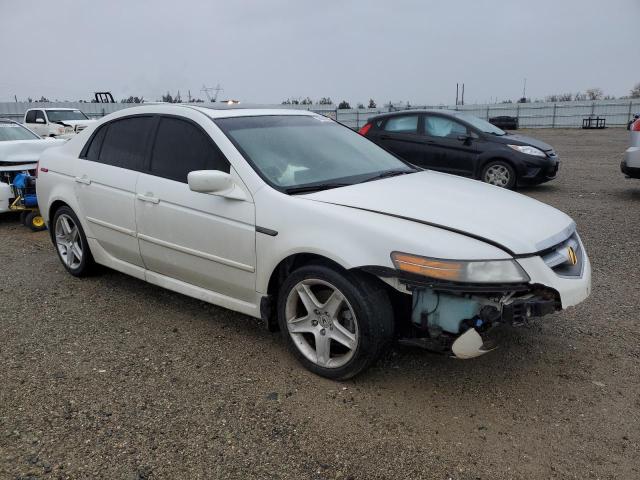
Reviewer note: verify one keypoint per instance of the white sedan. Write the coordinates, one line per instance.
(290, 217)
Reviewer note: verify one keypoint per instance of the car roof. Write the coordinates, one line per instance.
(214, 111)
(416, 110)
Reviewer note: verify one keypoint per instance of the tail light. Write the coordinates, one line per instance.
(635, 126)
(365, 129)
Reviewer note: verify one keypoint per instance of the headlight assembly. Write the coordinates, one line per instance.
(528, 149)
(469, 271)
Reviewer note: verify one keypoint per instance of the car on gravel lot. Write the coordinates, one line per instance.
(630, 165)
(463, 144)
(20, 149)
(291, 217)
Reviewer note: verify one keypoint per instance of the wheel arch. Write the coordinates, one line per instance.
(291, 263)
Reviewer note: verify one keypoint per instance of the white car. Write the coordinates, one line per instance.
(56, 122)
(630, 165)
(20, 149)
(290, 217)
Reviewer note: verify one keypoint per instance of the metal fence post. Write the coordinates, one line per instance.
(358, 118)
(593, 108)
(629, 114)
(488, 113)
(518, 114)
(553, 121)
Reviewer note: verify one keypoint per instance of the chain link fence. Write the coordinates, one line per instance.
(616, 113)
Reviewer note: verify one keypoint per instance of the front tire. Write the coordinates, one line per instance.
(336, 323)
(71, 243)
(500, 174)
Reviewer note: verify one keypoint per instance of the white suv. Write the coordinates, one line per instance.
(293, 218)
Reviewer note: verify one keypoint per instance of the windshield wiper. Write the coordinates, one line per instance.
(315, 188)
(387, 174)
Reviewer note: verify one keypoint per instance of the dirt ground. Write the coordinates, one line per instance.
(109, 377)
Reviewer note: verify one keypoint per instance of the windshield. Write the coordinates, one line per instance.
(480, 124)
(13, 131)
(293, 151)
(62, 115)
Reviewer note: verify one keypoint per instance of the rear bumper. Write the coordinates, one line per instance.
(630, 165)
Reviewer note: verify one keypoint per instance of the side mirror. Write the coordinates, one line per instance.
(215, 182)
(40, 120)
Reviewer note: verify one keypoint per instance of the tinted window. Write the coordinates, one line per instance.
(40, 114)
(180, 148)
(31, 116)
(96, 142)
(125, 141)
(443, 127)
(404, 124)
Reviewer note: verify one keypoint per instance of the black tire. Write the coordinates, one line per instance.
(87, 264)
(23, 217)
(373, 313)
(34, 221)
(501, 166)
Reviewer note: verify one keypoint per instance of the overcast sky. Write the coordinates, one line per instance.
(266, 51)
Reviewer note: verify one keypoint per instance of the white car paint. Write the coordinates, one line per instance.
(48, 128)
(211, 247)
(19, 156)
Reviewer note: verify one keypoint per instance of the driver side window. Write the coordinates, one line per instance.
(40, 115)
(436, 126)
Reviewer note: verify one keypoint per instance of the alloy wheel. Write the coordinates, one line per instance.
(322, 323)
(68, 241)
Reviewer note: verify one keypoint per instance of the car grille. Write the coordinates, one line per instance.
(561, 260)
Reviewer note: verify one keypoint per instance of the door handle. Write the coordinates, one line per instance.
(148, 198)
(83, 179)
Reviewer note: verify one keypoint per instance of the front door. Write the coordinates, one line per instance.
(452, 148)
(197, 238)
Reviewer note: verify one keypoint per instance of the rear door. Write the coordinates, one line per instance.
(106, 178)
(400, 135)
(200, 239)
(452, 147)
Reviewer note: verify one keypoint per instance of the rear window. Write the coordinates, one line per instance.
(403, 124)
(125, 143)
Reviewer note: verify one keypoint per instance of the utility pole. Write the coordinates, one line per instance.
(524, 89)
(462, 103)
(456, 94)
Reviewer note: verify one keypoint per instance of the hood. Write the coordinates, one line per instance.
(75, 123)
(516, 223)
(25, 151)
(515, 139)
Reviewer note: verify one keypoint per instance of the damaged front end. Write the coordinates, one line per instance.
(459, 318)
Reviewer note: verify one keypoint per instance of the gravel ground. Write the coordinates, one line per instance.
(109, 377)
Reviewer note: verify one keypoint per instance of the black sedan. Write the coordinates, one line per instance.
(462, 144)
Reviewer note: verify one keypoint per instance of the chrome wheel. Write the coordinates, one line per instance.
(498, 175)
(68, 241)
(321, 323)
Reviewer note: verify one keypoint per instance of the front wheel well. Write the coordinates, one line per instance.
(292, 263)
(484, 163)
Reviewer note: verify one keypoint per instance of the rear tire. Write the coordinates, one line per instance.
(23, 218)
(500, 174)
(71, 243)
(335, 322)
